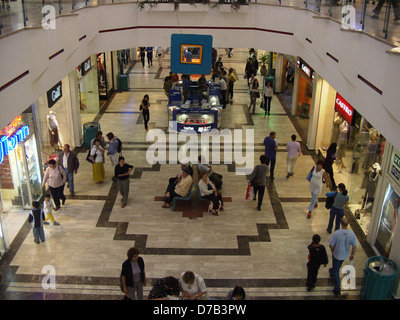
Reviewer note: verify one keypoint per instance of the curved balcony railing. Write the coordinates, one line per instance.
(379, 18)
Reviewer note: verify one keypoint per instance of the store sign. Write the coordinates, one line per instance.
(9, 143)
(86, 65)
(394, 168)
(344, 108)
(54, 94)
(305, 68)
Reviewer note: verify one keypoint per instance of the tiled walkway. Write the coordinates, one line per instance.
(265, 252)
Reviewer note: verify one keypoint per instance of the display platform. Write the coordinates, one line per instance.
(200, 113)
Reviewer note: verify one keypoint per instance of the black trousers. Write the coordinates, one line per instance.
(57, 194)
(312, 274)
(214, 199)
(260, 190)
(171, 189)
(272, 167)
(223, 98)
(267, 104)
(329, 170)
(230, 89)
(146, 117)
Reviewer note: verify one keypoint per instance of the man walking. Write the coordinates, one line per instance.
(340, 243)
(270, 152)
(70, 162)
(293, 152)
(113, 150)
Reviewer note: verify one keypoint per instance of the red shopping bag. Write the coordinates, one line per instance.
(249, 192)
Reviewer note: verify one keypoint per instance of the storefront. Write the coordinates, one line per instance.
(303, 83)
(20, 163)
(359, 148)
(88, 89)
(58, 117)
(106, 63)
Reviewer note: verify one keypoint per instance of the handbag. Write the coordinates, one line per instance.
(88, 157)
(257, 94)
(309, 176)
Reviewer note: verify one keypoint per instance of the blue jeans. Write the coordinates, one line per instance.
(338, 213)
(314, 201)
(38, 233)
(70, 179)
(334, 272)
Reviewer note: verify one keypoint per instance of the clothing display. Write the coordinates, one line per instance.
(53, 127)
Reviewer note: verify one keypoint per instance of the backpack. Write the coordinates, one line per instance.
(119, 145)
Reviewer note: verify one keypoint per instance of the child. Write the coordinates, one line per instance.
(48, 210)
(317, 256)
(36, 217)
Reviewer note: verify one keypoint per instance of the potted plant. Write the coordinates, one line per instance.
(263, 60)
(233, 5)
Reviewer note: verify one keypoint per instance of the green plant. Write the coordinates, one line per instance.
(235, 4)
(263, 59)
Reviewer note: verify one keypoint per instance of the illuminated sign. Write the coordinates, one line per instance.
(305, 68)
(9, 143)
(54, 94)
(85, 66)
(344, 108)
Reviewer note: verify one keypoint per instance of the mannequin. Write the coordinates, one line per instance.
(336, 126)
(342, 141)
(371, 184)
(53, 127)
(372, 148)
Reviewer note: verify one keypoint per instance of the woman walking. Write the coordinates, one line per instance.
(260, 174)
(328, 163)
(145, 107)
(317, 173)
(254, 94)
(122, 172)
(133, 276)
(337, 211)
(97, 156)
(268, 93)
(55, 176)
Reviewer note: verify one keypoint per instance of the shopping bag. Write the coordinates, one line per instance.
(249, 192)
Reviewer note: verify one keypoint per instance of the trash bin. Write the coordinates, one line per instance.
(379, 279)
(89, 132)
(123, 82)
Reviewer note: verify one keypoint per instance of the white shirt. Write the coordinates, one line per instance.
(99, 155)
(316, 181)
(198, 285)
(223, 85)
(48, 206)
(160, 50)
(65, 160)
(268, 91)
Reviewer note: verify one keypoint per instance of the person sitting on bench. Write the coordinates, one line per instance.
(214, 177)
(180, 188)
(210, 192)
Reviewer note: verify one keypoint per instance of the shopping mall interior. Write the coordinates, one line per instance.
(264, 251)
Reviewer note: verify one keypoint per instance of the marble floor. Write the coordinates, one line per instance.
(263, 251)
